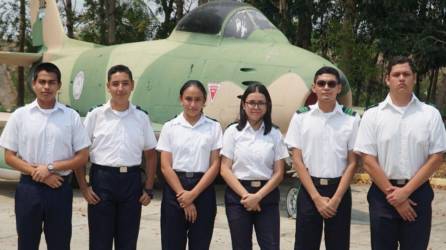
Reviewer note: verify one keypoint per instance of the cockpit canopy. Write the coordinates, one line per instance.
(242, 20)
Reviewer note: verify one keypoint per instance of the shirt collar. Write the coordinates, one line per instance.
(315, 108)
(57, 106)
(182, 121)
(107, 107)
(249, 128)
(388, 102)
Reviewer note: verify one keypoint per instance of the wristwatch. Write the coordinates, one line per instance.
(149, 192)
(50, 168)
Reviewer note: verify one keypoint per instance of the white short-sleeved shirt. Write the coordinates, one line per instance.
(324, 139)
(42, 136)
(191, 146)
(118, 138)
(402, 139)
(253, 153)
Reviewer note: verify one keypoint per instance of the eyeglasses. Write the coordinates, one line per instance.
(252, 104)
(330, 83)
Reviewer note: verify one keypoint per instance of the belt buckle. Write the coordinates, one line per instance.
(189, 174)
(400, 182)
(123, 169)
(256, 184)
(323, 182)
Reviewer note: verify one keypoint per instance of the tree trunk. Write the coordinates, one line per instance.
(284, 24)
(357, 95)
(440, 96)
(8, 95)
(434, 86)
(180, 9)
(304, 25)
(431, 83)
(102, 21)
(21, 70)
(168, 24)
(70, 16)
(110, 10)
(201, 2)
(347, 43)
(370, 84)
(324, 46)
(417, 86)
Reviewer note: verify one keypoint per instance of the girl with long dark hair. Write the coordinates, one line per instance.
(253, 166)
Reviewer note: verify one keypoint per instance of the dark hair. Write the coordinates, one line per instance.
(252, 88)
(119, 68)
(399, 60)
(327, 70)
(195, 83)
(48, 67)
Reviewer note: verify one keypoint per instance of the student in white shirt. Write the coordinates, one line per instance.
(189, 146)
(322, 137)
(45, 141)
(402, 141)
(253, 156)
(121, 134)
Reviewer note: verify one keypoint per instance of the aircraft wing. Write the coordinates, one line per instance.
(157, 128)
(18, 58)
(5, 171)
(4, 118)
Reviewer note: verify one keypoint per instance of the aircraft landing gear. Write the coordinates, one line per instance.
(293, 191)
(291, 199)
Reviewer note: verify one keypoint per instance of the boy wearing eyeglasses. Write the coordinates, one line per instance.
(321, 137)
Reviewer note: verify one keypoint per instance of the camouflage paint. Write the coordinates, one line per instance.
(161, 67)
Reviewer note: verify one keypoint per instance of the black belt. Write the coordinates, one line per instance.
(253, 183)
(189, 174)
(29, 178)
(120, 169)
(325, 181)
(399, 182)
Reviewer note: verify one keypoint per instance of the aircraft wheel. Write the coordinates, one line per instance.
(291, 200)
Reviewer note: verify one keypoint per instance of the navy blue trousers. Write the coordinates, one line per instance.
(310, 223)
(117, 216)
(388, 229)
(37, 204)
(176, 231)
(241, 222)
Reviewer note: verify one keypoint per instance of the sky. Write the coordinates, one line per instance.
(151, 3)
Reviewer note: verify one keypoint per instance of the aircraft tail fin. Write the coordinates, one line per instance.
(46, 24)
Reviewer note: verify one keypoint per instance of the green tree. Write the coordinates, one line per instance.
(13, 18)
(166, 8)
(133, 22)
(70, 17)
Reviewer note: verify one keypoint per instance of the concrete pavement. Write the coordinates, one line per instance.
(149, 237)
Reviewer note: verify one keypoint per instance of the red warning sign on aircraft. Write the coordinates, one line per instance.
(213, 89)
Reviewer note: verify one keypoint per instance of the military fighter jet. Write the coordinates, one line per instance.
(224, 44)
